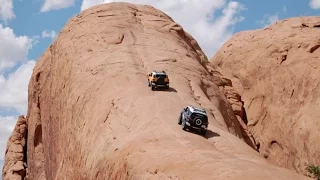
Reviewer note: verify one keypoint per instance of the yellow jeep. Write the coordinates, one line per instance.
(158, 79)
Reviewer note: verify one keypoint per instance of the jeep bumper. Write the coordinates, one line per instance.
(160, 85)
(197, 127)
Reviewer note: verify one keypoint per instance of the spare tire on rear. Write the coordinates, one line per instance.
(198, 121)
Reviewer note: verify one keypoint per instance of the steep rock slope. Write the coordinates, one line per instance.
(276, 70)
(91, 114)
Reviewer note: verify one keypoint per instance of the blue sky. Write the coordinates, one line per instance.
(26, 32)
(31, 22)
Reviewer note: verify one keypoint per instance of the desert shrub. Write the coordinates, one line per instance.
(314, 171)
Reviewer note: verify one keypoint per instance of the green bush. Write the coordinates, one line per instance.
(314, 171)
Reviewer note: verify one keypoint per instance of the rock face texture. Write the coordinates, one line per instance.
(91, 114)
(276, 71)
(15, 167)
(230, 96)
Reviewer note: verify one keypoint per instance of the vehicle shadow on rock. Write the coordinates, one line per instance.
(172, 89)
(167, 90)
(208, 135)
(211, 134)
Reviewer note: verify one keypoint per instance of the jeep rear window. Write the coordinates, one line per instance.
(161, 76)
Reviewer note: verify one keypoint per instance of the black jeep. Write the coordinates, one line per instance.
(194, 118)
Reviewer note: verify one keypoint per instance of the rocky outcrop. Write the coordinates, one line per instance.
(231, 96)
(91, 114)
(15, 166)
(276, 71)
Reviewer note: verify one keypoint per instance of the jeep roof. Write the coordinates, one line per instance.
(159, 72)
(197, 110)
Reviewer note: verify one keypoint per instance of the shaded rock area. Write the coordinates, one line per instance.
(232, 97)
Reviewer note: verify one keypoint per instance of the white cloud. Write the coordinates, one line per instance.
(285, 9)
(314, 4)
(88, 3)
(196, 18)
(268, 20)
(49, 34)
(35, 40)
(7, 124)
(56, 5)
(14, 89)
(13, 49)
(1, 165)
(6, 10)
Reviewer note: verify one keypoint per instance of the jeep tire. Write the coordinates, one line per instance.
(184, 126)
(152, 87)
(180, 122)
